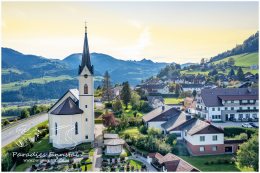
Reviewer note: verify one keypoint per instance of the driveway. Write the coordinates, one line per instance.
(230, 124)
(11, 133)
(97, 157)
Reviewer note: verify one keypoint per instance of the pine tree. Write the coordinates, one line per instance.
(126, 93)
(107, 90)
(232, 72)
(240, 74)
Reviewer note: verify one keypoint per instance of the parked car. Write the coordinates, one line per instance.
(253, 125)
(247, 125)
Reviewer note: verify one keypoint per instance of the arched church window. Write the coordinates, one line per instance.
(56, 129)
(85, 89)
(76, 128)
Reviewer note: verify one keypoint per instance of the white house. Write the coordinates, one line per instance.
(71, 118)
(228, 104)
(201, 138)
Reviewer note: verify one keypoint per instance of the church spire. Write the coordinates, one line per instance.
(85, 61)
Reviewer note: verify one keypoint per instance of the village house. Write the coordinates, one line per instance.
(169, 163)
(228, 104)
(155, 101)
(199, 137)
(191, 87)
(155, 88)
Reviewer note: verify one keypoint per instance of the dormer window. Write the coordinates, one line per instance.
(85, 76)
(85, 89)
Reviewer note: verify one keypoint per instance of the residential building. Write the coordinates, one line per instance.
(169, 163)
(228, 104)
(191, 87)
(199, 137)
(155, 101)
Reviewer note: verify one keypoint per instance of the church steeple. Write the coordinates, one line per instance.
(85, 61)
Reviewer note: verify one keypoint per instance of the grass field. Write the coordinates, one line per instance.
(195, 72)
(199, 162)
(244, 60)
(17, 85)
(172, 100)
(9, 70)
(132, 131)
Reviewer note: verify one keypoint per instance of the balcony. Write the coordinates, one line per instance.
(247, 110)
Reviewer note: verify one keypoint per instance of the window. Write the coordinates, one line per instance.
(232, 101)
(86, 106)
(202, 138)
(86, 119)
(254, 108)
(215, 137)
(56, 129)
(247, 115)
(240, 108)
(213, 109)
(254, 115)
(232, 108)
(185, 133)
(76, 128)
(248, 108)
(214, 148)
(202, 149)
(86, 136)
(218, 109)
(226, 108)
(86, 89)
(240, 116)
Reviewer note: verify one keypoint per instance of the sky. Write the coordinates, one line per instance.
(161, 31)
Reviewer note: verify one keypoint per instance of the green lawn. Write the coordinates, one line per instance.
(22, 167)
(132, 131)
(195, 72)
(129, 112)
(17, 85)
(172, 100)
(136, 164)
(9, 70)
(199, 162)
(42, 145)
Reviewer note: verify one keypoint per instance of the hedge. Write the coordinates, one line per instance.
(233, 131)
(98, 121)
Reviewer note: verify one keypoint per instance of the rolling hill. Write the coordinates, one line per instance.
(42, 76)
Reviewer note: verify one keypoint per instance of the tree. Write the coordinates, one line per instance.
(240, 74)
(185, 94)
(194, 93)
(107, 90)
(202, 61)
(109, 119)
(231, 61)
(248, 154)
(117, 106)
(25, 113)
(126, 94)
(232, 72)
(135, 100)
(6, 122)
(177, 89)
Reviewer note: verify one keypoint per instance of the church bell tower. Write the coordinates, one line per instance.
(86, 92)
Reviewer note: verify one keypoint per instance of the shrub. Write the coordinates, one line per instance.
(206, 163)
(108, 105)
(98, 113)
(233, 131)
(98, 121)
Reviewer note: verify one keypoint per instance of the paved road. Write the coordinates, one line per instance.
(12, 133)
(97, 158)
(230, 124)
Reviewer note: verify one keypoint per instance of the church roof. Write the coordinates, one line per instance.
(67, 107)
(85, 61)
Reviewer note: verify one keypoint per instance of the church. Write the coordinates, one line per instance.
(71, 118)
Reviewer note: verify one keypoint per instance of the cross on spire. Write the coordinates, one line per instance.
(86, 27)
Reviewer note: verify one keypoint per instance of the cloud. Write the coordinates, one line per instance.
(142, 42)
